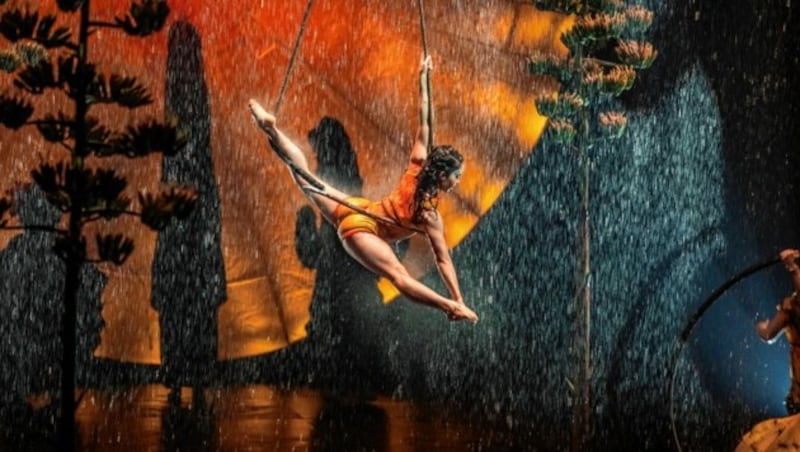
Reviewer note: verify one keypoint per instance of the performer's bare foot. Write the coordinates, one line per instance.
(264, 120)
(460, 311)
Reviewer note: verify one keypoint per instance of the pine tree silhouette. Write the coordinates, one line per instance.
(46, 57)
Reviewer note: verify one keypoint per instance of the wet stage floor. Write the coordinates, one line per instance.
(264, 418)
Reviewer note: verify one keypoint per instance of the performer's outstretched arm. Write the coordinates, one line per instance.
(422, 142)
(444, 262)
(768, 330)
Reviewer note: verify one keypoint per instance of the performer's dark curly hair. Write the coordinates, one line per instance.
(442, 160)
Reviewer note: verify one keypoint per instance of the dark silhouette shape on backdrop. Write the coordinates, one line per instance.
(346, 308)
(31, 289)
(188, 427)
(188, 269)
(343, 426)
(630, 334)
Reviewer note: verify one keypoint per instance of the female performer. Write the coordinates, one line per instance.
(787, 319)
(366, 228)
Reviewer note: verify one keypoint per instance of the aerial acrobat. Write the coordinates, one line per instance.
(367, 228)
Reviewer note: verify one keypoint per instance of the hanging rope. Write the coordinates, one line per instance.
(424, 35)
(293, 57)
(295, 51)
(315, 186)
(687, 331)
(421, 5)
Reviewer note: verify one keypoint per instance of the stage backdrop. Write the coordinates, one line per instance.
(357, 63)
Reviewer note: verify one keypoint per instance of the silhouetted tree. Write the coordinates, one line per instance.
(605, 48)
(45, 57)
(188, 269)
(30, 288)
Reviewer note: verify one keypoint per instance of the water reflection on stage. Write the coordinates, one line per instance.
(261, 417)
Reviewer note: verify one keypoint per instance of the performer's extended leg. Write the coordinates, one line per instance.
(285, 148)
(294, 157)
(376, 255)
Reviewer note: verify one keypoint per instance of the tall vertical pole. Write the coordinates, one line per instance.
(582, 408)
(74, 254)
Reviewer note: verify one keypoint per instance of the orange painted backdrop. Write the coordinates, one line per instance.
(357, 62)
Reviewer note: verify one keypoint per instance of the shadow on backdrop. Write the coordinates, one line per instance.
(350, 426)
(31, 290)
(343, 349)
(188, 270)
(188, 427)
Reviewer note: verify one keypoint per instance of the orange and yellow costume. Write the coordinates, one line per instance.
(398, 207)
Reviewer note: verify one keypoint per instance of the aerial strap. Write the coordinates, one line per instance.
(295, 51)
(687, 331)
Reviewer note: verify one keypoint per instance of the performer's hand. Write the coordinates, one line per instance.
(761, 328)
(426, 64)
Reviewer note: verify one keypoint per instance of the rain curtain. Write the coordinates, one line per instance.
(235, 267)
